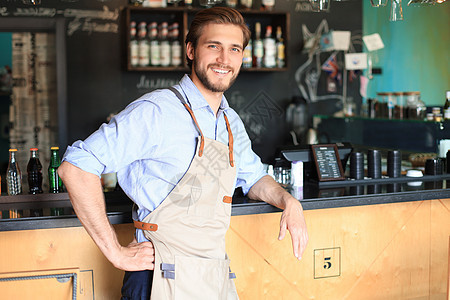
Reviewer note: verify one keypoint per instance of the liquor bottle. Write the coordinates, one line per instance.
(246, 4)
(188, 3)
(13, 174)
(34, 170)
(175, 46)
(258, 50)
(280, 48)
(55, 182)
(267, 4)
(165, 45)
(144, 49)
(270, 50)
(155, 50)
(447, 106)
(231, 3)
(134, 46)
(247, 59)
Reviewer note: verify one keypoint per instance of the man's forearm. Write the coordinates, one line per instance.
(268, 190)
(86, 194)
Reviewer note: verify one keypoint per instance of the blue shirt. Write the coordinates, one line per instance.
(151, 143)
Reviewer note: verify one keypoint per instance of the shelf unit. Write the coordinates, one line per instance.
(184, 15)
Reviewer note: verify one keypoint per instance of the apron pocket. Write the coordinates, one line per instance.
(201, 278)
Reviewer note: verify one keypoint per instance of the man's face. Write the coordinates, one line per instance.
(218, 57)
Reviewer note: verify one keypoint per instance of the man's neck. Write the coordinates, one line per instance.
(213, 98)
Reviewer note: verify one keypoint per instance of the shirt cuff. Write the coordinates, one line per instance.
(83, 159)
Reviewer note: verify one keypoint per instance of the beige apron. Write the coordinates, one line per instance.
(188, 228)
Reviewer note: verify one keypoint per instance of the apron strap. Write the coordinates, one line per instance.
(202, 139)
(230, 140)
(145, 226)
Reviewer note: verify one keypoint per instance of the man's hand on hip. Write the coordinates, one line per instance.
(136, 257)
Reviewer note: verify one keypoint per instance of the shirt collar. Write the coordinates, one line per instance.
(195, 98)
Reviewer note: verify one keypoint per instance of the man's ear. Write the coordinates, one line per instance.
(190, 50)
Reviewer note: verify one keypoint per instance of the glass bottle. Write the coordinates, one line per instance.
(34, 170)
(258, 50)
(144, 55)
(447, 106)
(270, 50)
(231, 3)
(13, 174)
(55, 182)
(134, 46)
(188, 3)
(280, 48)
(246, 4)
(175, 46)
(165, 45)
(268, 4)
(155, 50)
(247, 58)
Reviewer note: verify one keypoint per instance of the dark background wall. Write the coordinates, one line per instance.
(98, 84)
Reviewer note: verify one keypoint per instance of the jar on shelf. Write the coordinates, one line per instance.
(387, 104)
(399, 106)
(416, 109)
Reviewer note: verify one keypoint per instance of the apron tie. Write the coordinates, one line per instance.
(145, 226)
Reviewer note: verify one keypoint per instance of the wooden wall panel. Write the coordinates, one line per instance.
(392, 251)
(35, 250)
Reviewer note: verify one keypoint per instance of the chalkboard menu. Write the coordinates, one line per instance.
(328, 163)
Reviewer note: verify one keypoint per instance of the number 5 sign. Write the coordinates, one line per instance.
(327, 262)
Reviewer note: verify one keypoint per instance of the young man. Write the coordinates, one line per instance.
(175, 157)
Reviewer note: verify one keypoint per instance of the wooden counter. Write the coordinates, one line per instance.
(378, 246)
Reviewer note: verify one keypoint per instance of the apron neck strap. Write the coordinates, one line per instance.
(202, 138)
(230, 140)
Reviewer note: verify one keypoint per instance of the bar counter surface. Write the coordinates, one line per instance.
(36, 210)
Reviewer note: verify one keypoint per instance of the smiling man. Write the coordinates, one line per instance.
(174, 155)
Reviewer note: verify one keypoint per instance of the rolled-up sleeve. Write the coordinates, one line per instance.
(129, 136)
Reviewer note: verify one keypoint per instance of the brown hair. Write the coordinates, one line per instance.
(215, 15)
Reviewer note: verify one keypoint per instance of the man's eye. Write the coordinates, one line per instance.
(235, 49)
(213, 46)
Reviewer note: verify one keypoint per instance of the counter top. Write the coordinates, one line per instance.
(25, 212)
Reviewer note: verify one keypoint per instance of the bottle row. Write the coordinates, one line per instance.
(34, 171)
(158, 45)
(155, 45)
(267, 52)
(245, 4)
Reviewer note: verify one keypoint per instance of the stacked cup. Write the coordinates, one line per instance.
(394, 163)
(374, 164)
(357, 165)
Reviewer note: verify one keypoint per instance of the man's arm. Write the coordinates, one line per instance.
(86, 194)
(292, 219)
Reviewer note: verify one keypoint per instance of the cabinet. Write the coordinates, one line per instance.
(183, 16)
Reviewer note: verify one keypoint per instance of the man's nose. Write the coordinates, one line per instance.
(223, 57)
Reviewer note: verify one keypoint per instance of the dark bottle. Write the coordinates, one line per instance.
(54, 181)
(34, 170)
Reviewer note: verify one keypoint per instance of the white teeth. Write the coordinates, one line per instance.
(220, 71)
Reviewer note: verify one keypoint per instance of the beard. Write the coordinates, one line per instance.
(219, 87)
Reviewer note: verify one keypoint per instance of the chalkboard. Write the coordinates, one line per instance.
(98, 84)
(328, 163)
